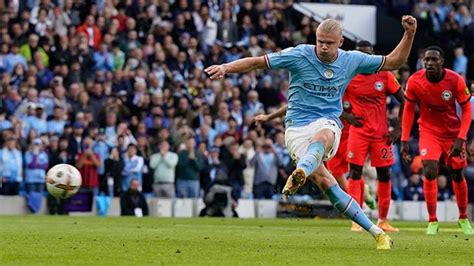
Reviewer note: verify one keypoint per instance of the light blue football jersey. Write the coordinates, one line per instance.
(316, 88)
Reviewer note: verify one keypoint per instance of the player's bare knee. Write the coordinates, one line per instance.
(325, 136)
(355, 172)
(457, 175)
(383, 174)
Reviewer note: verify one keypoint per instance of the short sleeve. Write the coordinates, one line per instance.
(463, 92)
(392, 83)
(366, 63)
(286, 58)
(410, 91)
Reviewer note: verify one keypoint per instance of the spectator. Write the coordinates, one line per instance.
(206, 134)
(444, 193)
(460, 62)
(132, 202)
(61, 21)
(36, 164)
(227, 30)
(92, 32)
(71, 12)
(42, 24)
(414, 189)
(110, 128)
(463, 16)
(4, 122)
(104, 60)
(235, 163)
(255, 49)
(13, 58)
(266, 170)
(144, 150)
(253, 106)
(62, 154)
(56, 125)
(126, 133)
(75, 141)
(118, 57)
(32, 48)
(190, 163)
(163, 164)
(133, 167)
(248, 152)
(268, 96)
(222, 122)
(113, 173)
(237, 112)
(101, 148)
(88, 163)
(232, 132)
(208, 30)
(11, 166)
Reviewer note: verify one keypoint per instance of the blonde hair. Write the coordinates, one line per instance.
(330, 25)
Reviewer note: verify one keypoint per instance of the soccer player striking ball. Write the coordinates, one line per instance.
(318, 77)
(442, 134)
(338, 165)
(367, 95)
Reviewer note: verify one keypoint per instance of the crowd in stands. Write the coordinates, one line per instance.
(117, 88)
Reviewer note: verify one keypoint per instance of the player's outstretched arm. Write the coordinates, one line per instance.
(278, 113)
(400, 54)
(238, 66)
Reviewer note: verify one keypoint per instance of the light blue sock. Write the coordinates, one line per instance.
(349, 207)
(312, 159)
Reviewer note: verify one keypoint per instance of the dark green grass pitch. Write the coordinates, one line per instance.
(208, 241)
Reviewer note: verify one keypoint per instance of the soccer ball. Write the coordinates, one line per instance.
(63, 181)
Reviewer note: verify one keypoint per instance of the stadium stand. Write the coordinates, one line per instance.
(124, 81)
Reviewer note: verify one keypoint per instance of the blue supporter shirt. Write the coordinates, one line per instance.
(11, 165)
(35, 167)
(316, 88)
(101, 148)
(5, 124)
(56, 126)
(33, 122)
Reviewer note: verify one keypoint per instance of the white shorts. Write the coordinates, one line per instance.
(297, 139)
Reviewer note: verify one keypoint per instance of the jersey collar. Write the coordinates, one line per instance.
(443, 74)
(324, 62)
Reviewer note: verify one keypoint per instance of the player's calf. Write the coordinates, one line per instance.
(384, 192)
(349, 207)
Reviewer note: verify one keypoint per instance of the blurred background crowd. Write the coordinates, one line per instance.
(117, 89)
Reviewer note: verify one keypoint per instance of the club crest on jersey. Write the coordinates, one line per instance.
(378, 86)
(346, 105)
(423, 152)
(446, 95)
(328, 73)
(350, 155)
